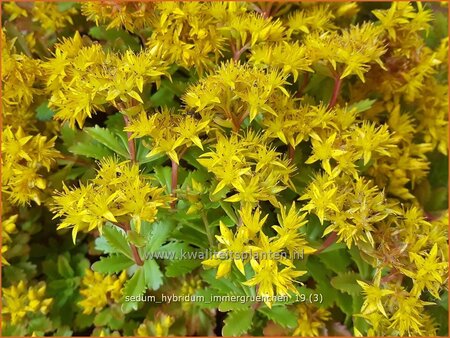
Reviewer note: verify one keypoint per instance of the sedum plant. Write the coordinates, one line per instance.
(224, 168)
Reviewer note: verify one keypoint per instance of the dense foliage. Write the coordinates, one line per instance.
(249, 168)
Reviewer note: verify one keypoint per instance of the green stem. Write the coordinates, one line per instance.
(207, 228)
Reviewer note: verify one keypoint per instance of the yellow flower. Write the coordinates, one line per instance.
(98, 290)
(268, 278)
(323, 150)
(321, 194)
(20, 300)
(368, 139)
(427, 272)
(235, 251)
(290, 58)
(311, 320)
(315, 18)
(374, 296)
(408, 317)
(158, 327)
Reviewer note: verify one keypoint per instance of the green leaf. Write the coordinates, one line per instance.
(444, 300)
(345, 303)
(363, 105)
(228, 208)
(112, 264)
(164, 177)
(364, 268)
(181, 267)
(337, 261)
(114, 36)
(280, 315)
(64, 6)
(359, 323)
(40, 323)
(207, 294)
(43, 112)
(64, 268)
(102, 318)
(92, 150)
(108, 139)
(238, 322)
(159, 234)
(346, 282)
(117, 240)
(153, 275)
(233, 306)
(135, 285)
(136, 239)
(163, 97)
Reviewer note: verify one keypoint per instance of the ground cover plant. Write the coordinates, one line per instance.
(236, 168)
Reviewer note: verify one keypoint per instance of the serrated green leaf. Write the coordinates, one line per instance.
(181, 267)
(135, 286)
(108, 139)
(238, 322)
(40, 323)
(102, 318)
(280, 315)
(159, 234)
(64, 268)
(233, 306)
(346, 282)
(153, 275)
(117, 240)
(112, 264)
(207, 294)
(43, 112)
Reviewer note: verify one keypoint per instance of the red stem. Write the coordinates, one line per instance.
(336, 90)
(328, 242)
(174, 182)
(291, 152)
(134, 250)
(303, 85)
(131, 145)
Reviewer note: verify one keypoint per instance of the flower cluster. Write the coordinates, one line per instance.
(118, 194)
(248, 165)
(25, 158)
(84, 79)
(271, 258)
(170, 133)
(21, 300)
(99, 290)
